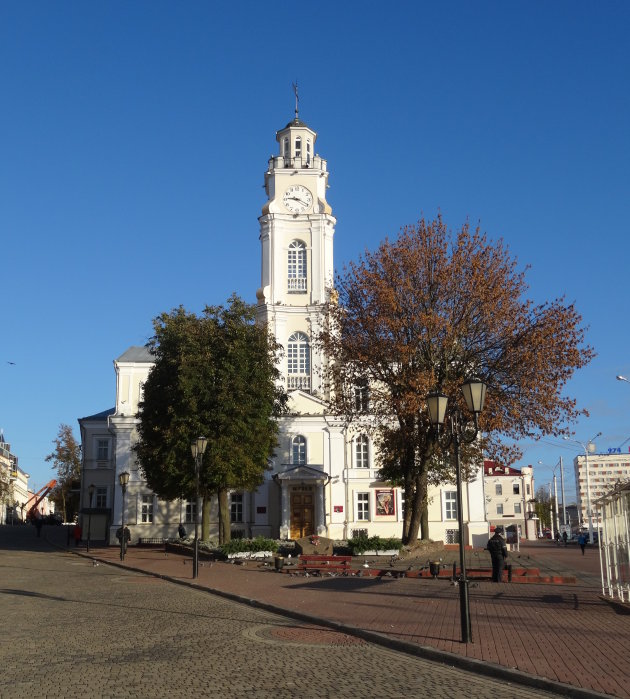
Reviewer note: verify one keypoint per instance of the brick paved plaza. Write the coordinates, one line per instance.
(73, 628)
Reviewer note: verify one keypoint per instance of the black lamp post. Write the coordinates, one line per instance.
(197, 448)
(123, 479)
(91, 495)
(460, 430)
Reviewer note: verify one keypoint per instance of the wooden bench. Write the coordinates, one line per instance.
(321, 563)
(147, 541)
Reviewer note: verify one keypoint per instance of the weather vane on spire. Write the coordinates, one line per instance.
(297, 99)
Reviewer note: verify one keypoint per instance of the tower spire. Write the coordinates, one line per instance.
(297, 99)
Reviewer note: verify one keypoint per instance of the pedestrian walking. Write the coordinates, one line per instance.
(582, 539)
(181, 530)
(565, 538)
(39, 522)
(498, 553)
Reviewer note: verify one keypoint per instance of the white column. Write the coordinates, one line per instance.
(285, 510)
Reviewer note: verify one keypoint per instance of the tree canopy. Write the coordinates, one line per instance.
(66, 459)
(215, 375)
(426, 311)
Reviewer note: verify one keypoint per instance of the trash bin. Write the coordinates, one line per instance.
(279, 562)
(434, 568)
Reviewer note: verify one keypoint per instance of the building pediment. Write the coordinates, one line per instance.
(303, 403)
(300, 474)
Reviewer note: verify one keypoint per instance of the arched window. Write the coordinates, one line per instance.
(298, 147)
(298, 451)
(299, 362)
(286, 148)
(361, 452)
(296, 267)
(308, 152)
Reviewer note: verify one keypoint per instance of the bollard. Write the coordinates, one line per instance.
(279, 562)
(454, 570)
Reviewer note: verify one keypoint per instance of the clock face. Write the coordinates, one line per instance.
(297, 199)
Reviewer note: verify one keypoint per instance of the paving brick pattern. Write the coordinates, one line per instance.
(75, 629)
(564, 633)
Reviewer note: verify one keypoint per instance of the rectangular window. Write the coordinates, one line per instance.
(528, 490)
(499, 509)
(102, 449)
(147, 509)
(363, 507)
(191, 512)
(450, 504)
(362, 455)
(517, 508)
(452, 536)
(361, 397)
(236, 507)
(498, 489)
(516, 489)
(100, 499)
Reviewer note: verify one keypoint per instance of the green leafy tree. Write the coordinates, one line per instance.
(425, 311)
(215, 375)
(66, 459)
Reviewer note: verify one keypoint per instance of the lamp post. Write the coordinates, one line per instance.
(588, 447)
(90, 494)
(123, 479)
(197, 448)
(555, 491)
(474, 391)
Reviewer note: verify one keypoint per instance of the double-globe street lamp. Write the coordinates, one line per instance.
(197, 448)
(459, 430)
(90, 495)
(123, 479)
(589, 448)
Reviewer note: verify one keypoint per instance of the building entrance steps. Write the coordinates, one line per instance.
(536, 632)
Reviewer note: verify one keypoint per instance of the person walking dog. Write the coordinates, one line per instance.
(498, 553)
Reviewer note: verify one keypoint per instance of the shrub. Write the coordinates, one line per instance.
(252, 545)
(361, 544)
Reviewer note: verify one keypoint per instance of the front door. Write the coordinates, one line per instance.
(301, 515)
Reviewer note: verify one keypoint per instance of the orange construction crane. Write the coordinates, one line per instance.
(37, 497)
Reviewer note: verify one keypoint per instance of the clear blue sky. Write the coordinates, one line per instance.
(135, 136)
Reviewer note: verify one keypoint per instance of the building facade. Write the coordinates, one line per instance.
(509, 498)
(605, 472)
(324, 476)
(13, 487)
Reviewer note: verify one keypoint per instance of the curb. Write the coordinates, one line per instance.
(479, 667)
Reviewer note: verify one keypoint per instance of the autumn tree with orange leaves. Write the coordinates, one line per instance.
(426, 311)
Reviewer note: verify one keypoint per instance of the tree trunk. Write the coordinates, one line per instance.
(408, 491)
(424, 505)
(416, 512)
(224, 517)
(205, 518)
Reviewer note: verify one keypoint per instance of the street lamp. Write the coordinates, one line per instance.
(91, 494)
(588, 447)
(555, 490)
(123, 479)
(197, 448)
(459, 431)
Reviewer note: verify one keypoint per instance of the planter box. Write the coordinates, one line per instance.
(251, 554)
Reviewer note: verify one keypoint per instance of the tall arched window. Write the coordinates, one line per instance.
(298, 450)
(296, 267)
(361, 452)
(299, 362)
(298, 147)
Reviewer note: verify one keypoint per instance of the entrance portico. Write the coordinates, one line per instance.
(302, 510)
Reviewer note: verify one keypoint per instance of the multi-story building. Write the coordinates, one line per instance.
(14, 486)
(324, 477)
(605, 472)
(509, 495)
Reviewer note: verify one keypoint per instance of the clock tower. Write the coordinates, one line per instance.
(296, 235)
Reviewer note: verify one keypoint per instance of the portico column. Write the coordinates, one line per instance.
(285, 510)
(320, 524)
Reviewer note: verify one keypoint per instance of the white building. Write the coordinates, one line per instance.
(324, 476)
(15, 485)
(605, 472)
(509, 496)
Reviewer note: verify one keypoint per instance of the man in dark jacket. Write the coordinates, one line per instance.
(498, 553)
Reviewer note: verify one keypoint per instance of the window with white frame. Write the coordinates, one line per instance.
(146, 509)
(361, 396)
(308, 152)
(190, 512)
(450, 504)
(102, 449)
(298, 450)
(287, 152)
(299, 362)
(516, 489)
(499, 509)
(298, 147)
(363, 507)
(498, 489)
(517, 508)
(100, 499)
(236, 507)
(361, 452)
(296, 267)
